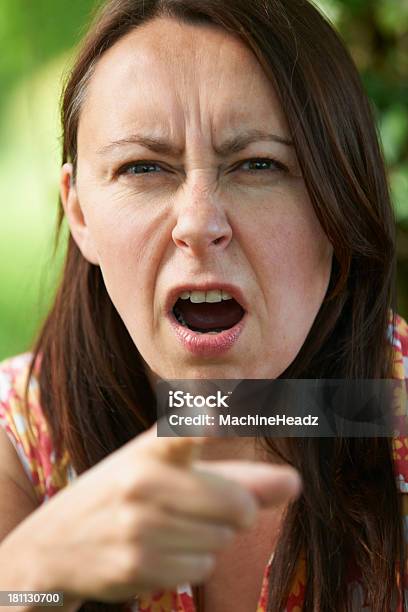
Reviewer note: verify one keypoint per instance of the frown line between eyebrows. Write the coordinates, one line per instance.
(233, 144)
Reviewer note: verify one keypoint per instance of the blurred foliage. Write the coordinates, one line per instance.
(376, 33)
(34, 32)
(37, 40)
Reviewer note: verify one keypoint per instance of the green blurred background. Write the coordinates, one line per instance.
(38, 38)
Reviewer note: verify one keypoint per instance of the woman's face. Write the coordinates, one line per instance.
(187, 181)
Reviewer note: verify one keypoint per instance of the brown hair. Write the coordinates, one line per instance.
(93, 388)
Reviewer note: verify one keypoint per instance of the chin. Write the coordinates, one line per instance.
(212, 372)
(217, 371)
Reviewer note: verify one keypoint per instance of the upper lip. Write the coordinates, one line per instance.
(233, 290)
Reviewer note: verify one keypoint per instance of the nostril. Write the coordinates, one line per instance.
(181, 243)
(196, 240)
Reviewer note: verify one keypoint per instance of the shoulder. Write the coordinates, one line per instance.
(398, 336)
(13, 417)
(26, 426)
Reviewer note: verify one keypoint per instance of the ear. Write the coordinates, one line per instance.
(75, 217)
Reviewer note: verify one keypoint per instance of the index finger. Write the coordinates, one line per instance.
(271, 484)
(179, 451)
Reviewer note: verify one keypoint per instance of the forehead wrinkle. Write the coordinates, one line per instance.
(234, 143)
(194, 115)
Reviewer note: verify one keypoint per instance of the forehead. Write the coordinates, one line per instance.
(168, 77)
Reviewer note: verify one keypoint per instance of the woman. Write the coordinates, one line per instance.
(229, 218)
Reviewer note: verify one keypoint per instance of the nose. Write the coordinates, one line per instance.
(202, 226)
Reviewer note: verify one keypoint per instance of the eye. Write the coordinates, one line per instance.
(142, 167)
(262, 164)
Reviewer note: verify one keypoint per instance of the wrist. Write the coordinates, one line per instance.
(42, 570)
(26, 567)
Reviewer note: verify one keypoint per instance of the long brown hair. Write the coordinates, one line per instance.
(94, 392)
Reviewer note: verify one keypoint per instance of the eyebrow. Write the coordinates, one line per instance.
(234, 144)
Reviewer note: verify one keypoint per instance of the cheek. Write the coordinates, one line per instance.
(129, 243)
(293, 264)
(291, 257)
(302, 252)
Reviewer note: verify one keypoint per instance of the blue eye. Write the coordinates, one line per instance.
(140, 168)
(252, 166)
(262, 164)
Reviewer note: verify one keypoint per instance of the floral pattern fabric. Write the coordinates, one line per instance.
(49, 473)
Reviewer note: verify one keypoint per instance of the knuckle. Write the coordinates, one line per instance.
(131, 564)
(127, 520)
(135, 523)
(141, 481)
(202, 568)
(134, 484)
(125, 484)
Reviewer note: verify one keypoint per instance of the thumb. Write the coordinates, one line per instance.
(180, 451)
(270, 484)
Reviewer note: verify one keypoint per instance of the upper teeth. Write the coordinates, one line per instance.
(197, 297)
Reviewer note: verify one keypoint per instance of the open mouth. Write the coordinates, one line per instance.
(207, 312)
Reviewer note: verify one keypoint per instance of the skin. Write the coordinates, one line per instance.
(198, 215)
(201, 215)
(150, 515)
(147, 517)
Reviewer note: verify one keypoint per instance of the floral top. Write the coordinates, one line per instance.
(48, 473)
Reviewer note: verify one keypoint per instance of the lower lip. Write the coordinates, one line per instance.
(207, 345)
